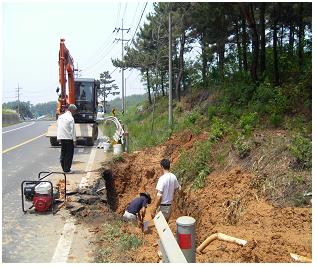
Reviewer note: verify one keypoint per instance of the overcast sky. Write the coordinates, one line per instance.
(31, 32)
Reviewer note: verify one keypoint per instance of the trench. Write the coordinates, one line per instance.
(111, 193)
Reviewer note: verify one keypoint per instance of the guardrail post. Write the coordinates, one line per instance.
(186, 237)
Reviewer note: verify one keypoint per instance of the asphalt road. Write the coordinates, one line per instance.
(26, 151)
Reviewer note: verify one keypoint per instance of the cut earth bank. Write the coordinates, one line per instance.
(229, 203)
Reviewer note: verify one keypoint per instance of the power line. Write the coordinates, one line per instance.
(118, 14)
(135, 12)
(99, 51)
(125, 9)
(139, 22)
(114, 70)
(101, 57)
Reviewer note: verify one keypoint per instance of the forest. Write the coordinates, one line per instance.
(250, 52)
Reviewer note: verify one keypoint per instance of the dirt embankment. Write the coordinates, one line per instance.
(228, 204)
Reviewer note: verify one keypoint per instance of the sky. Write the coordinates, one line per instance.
(31, 33)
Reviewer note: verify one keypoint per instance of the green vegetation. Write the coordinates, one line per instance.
(252, 76)
(242, 146)
(131, 101)
(116, 243)
(28, 110)
(301, 149)
(8, 111)
(193, 165)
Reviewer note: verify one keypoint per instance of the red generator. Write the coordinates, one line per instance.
(41, 194)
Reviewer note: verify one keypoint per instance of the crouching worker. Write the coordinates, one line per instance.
(137, 208)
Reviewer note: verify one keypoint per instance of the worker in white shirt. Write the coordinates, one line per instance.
(67, 136)
(166, 187)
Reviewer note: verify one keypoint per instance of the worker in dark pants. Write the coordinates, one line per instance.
(67, 136)
(136, 210)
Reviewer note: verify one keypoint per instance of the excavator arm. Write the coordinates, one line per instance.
(66, 64)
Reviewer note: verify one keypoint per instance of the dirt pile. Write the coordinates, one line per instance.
(228, 204)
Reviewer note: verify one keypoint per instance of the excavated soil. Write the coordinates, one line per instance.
(228, 204)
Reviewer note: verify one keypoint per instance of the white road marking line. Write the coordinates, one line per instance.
(65, 242)
(18, 128)
(84, 180)
(63, 247)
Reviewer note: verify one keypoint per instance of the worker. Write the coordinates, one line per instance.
(166, 187)
(137, 208)
(83, 95)
(67, 136)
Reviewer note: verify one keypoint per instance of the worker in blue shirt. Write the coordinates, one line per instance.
(137, 208)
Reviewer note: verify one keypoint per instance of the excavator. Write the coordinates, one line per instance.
(83, 93)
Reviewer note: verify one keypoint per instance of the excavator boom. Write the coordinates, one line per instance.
(66, 64)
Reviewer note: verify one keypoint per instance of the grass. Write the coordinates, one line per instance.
(115, 244)
(8, 111)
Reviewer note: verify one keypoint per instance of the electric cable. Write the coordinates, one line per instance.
(138, 23)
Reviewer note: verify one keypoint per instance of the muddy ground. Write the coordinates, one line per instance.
(228, 204)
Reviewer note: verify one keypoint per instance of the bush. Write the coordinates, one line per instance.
(191, 118)
(301, 149)
(242, 146)
(269, 100)
(199, 182)
(218, 129)
(211, 112)
(239, 89)
(275, 120)
(248, 122)
(194, 163)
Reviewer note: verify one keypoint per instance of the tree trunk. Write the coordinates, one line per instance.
(249, 15)
(281, 38)
(275, 42)
(262, 27)
(300, 37)
(291, 38)
(221, 44)
(245, 45)
(204, 56)
(181, 67)
(238, 45)
(162, 83)
(148, 86)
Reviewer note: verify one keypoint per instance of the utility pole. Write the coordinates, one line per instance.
(18, 91)
(76, 71)
(170, 99)
(125, 93)
(122, 68)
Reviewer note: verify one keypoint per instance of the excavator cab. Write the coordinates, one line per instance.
(86, 100)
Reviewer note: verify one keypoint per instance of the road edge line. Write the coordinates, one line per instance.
(65, 242)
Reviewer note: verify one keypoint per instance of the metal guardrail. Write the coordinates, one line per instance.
(169, 247)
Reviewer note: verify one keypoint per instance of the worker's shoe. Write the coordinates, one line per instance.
(69, 172)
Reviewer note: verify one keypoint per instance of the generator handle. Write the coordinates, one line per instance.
(48, 173)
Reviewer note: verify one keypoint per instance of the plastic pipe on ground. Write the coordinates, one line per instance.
(220, 236)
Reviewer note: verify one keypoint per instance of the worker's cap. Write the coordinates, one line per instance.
(72, 107)
(147, 195)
